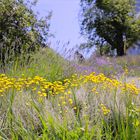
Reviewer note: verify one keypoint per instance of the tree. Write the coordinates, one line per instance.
(21, 31)
(113, 21)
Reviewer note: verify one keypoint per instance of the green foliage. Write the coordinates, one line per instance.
(21, 31)
(103, 50)
(113, 21)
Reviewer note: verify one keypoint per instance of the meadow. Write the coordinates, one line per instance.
(53, 99)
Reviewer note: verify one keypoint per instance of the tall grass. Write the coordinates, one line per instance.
(90, 111)
(27, 116)
(45, 63)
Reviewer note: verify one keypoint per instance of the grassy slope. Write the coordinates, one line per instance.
(45, 63)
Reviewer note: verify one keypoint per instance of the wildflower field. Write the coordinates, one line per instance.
(68, 106)
(87, 88)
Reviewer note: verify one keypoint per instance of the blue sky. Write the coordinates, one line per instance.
(64, 22)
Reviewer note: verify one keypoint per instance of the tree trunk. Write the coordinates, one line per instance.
(120, 45)
(120, 50)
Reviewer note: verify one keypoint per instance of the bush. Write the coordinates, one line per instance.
(21, 31)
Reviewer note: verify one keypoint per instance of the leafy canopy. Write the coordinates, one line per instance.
(21, 31)
(111, 21)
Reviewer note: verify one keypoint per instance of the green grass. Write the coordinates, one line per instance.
(45, 63)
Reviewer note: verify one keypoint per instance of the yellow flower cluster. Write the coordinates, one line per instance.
(104, 109)
(43, 87)
(112, 84)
